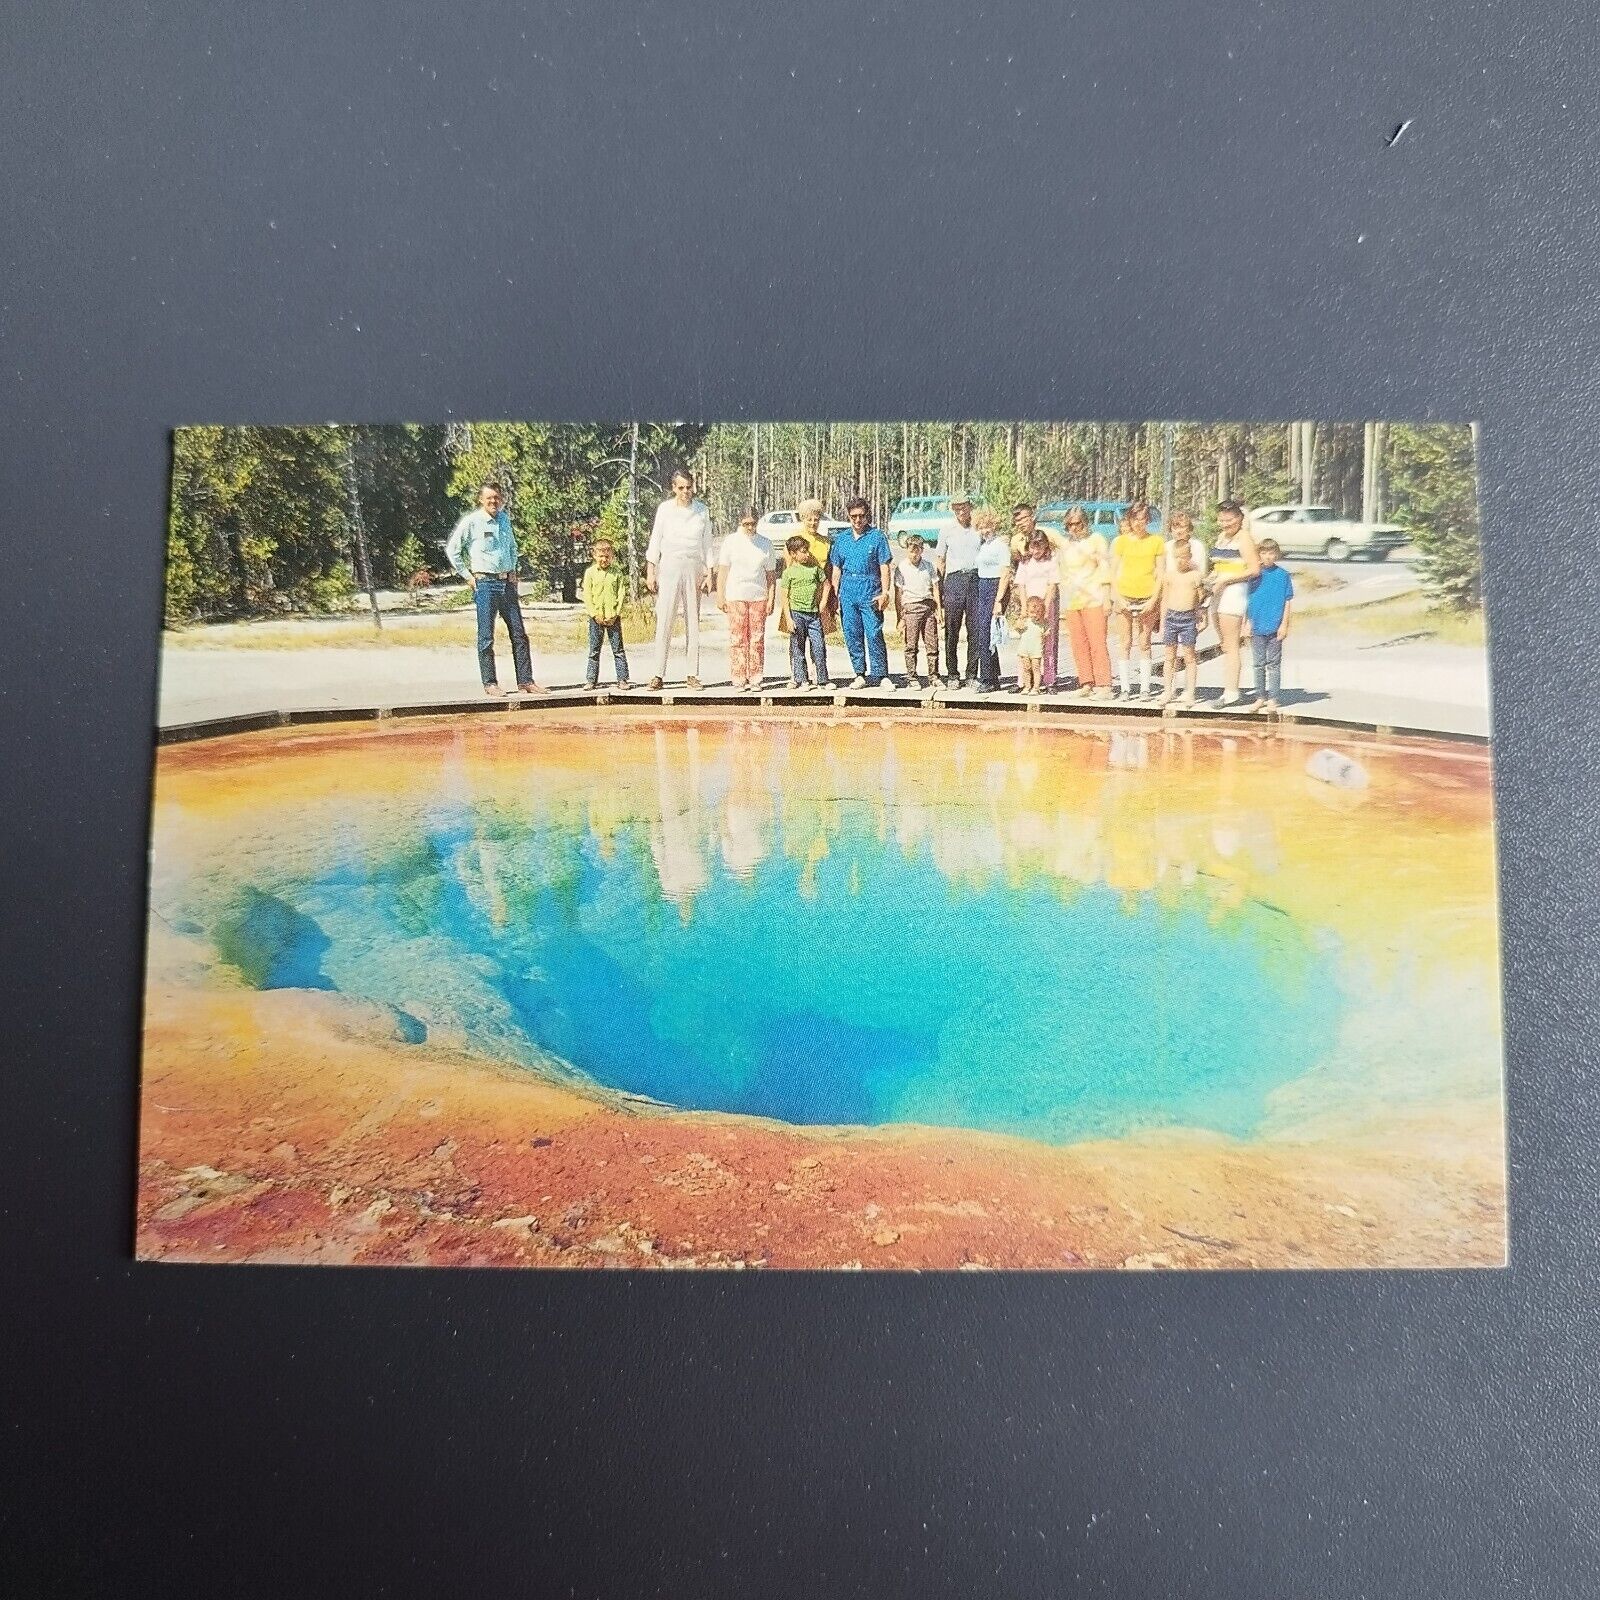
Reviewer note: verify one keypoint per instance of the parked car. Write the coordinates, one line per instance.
(1321, 531)
(1104, 516)
(780, 525)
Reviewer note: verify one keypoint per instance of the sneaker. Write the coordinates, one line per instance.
(795, 683)
(588, 685)
(692, 683)
(1166, 699)
(1230, 702)
(623, 685)
(1187, 703)
(1260, 708)
(494, 691)
(858, 682)
(1274, 707)
(655, 683)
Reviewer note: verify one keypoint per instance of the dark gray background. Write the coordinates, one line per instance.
(416, 211)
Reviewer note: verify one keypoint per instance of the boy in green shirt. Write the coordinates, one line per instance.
(604, 588)
(802, 596)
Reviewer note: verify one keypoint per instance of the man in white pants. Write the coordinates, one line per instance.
(677, 566)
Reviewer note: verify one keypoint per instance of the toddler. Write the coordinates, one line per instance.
(1030, 649)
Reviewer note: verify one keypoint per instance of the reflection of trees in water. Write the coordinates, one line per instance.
(985, 806)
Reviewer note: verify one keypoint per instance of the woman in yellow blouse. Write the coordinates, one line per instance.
(1085, 594)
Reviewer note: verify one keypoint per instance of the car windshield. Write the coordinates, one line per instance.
(1319, 514)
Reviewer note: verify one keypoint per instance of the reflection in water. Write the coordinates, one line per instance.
(978, 814)
(1058, 935)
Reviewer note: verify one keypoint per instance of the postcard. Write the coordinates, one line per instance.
(914, 845)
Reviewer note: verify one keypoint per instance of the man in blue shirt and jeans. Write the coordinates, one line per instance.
(860, 561)
(483, 549)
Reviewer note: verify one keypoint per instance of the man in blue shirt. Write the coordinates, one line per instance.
(860, 563)
(958, 584)
(483, 549)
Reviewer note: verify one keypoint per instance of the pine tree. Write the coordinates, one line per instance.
(1433, 490)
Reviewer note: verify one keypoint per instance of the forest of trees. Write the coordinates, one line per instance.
(291, 518)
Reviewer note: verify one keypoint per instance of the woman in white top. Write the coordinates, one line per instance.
(676, 562)
(746, 578)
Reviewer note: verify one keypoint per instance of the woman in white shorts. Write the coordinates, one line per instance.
(1233, 564)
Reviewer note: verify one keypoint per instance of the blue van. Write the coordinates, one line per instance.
(1104, 515)
(927, 514)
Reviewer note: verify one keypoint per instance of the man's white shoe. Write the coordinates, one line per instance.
(858, 682)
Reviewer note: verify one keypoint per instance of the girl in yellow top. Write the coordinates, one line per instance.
(1136, 572)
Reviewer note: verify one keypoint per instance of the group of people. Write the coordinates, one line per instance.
(1113, 598)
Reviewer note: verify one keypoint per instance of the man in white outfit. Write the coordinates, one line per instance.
(677, 568)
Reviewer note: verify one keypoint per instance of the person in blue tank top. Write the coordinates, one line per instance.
(860, 564)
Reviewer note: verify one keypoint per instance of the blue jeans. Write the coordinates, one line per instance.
(497, 597)
(982, 623)
(960, 597)
(1268, 654)
(806, 627)
(863, 626)
(605, 630)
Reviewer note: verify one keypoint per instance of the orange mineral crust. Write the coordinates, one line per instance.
(279, 1129)
(306, 1124)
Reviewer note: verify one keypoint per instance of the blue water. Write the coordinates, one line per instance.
(877, 990)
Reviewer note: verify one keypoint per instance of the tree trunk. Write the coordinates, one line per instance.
(358, 529)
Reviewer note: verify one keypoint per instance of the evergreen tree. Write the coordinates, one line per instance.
(1433, 490)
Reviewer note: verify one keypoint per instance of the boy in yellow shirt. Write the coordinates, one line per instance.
(604, 589)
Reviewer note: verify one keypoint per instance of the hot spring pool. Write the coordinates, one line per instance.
(1052, 932)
